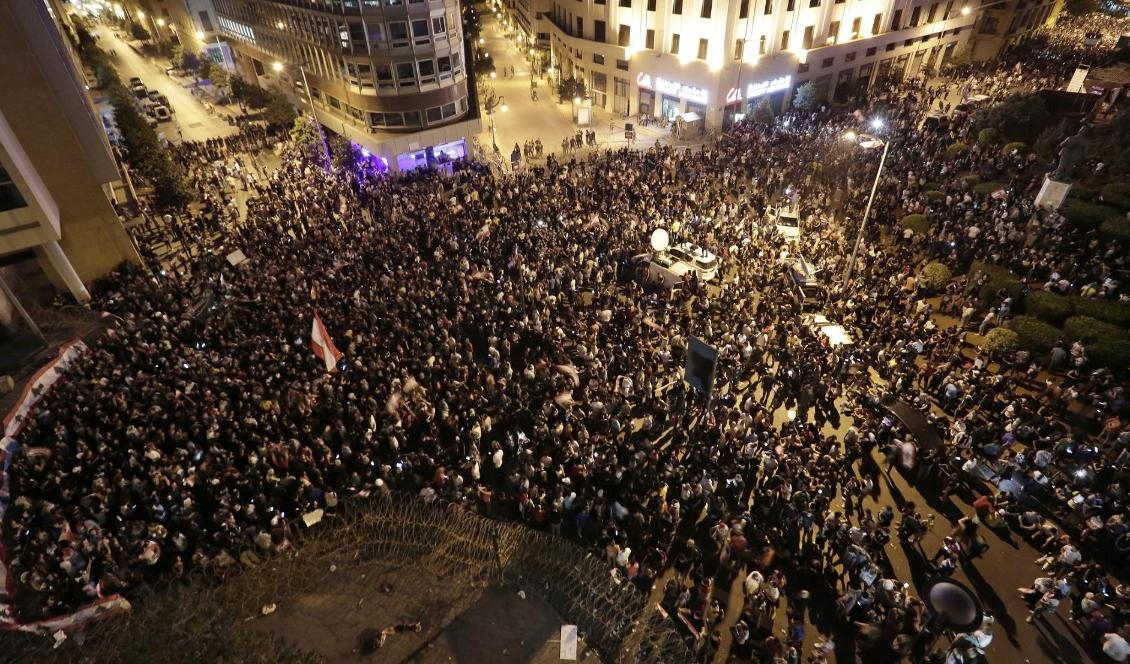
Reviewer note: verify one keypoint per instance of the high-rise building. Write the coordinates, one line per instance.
(719, 58)
(56, 167)
(392, 75)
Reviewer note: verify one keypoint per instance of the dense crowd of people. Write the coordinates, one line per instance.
(504, 349)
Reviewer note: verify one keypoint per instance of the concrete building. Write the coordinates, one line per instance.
(56, 167)
(719, 58)
(392, 75)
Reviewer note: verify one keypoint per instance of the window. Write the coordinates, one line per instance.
(896, 20)
(785, 40)
(433, 115)
(651, 5)
(398, 31)
(649, 39)
(10, 196)
(802, 68)
(580, 27)
(703, 47)
(791, 6)
(626, 3)
(597, 59)
(743, 9)
(598, 31)
(890, 47)
(206, 21)
(677, 7)
(427, 70)
(933, 12)
(406, 74)
(420, 34)
(376, 34)
(334, 102)
(675, 43)
(856, 25)
(439, 27)
(444, 63)
(376, 119)
(870, 52)
(834, 32)
(768, 7)
(849, 57)
(625, 36)
(385, 81)
(707, 7)
(915, 15)
(411, 118)
(599, 82)
(827, 63)
(739, 49)
(622, 65)
(877, 24)
(813, 3)
(761, 45)
(806, 43)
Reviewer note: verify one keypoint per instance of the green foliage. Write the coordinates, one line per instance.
(1015, 146)
(1050, 308)
(176, 56)
(190, 61)
(345, 155)
(1091, 330)
(1047, 143)
(106, 77)
(1110, 143)
(917, 223)
(279, 111)
(1110, 352)
(807, 97)
(763, 112)
(989, 136)
(252, 95)
(1082, 193)
(1111, 311)
(937, 274)
(1117, 194)
(1081, 7)
(1116, 229)
(207, 68)
(138, 32)
(1033, 334)
(970, 179)
(569, 89)
(1019, 117)
(956, 150)
(986, 188)
(307, 138)
(998, 277)
(933, 196)
(1087, 216)
(1000, 340)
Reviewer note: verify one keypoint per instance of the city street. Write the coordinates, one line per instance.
(189, 114)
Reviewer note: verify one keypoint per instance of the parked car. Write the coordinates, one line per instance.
(162, 113)
(153, 95)
(135, 81)
(140, 92)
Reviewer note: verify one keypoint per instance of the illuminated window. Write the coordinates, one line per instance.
(834, 32)
(855, 26)
(703, 46)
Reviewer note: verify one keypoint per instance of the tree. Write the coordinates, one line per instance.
(807, 97)
(139, 32)
(307, 138)
(346, 155)
(278, 110)
(570, 88)
(763, 112)
(252, 95)
(206, 68)
(176, 56)
(1020, 117)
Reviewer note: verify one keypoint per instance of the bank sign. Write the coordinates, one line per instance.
(760, 89)
(672, 88)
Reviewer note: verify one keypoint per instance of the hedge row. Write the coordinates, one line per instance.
(1087, 216)
(917, 223)
(1034, 334)
(1107, 345)
(1055, 309)
(999, 277)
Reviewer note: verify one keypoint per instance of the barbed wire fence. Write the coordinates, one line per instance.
(205, 615)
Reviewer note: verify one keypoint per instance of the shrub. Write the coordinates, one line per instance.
(1000, 340)
(1091, 330)
(1117, 194)
(916, 222)
(988, 136)
(1116, 229)
(1110, 311)
(986, 188)
(1087, 216)
(1050, 308)
(998, 277)
(970, 179)
(1112, 353)
(937, 274)
(956, 150)
(934, 196)
(1083, 193)
(1015, 146)
(1033, 334)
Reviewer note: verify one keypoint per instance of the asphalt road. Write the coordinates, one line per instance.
(189, 116)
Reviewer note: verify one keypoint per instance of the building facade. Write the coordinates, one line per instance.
(56, 165)
(719, 58)
(392, 75)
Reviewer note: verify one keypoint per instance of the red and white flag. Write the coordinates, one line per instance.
(323, 345)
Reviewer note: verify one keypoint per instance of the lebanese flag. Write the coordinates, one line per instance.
(323, 345)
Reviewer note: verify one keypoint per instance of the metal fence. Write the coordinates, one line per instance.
(200, 617)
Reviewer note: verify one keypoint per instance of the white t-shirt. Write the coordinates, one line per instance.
(1116, 647)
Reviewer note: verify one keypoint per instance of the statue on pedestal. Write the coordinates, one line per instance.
(1072, 150)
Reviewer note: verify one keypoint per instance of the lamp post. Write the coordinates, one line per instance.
(278, 67)
(494, 101)
(223, 57)
(871, 142)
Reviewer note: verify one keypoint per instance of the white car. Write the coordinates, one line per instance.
(673, 264)
(787, 220)
(819, 325)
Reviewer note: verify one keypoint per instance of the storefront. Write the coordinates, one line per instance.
(742, 102)
(674, 97)
(435, 156)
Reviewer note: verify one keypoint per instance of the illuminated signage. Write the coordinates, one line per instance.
(760, 89)
(672, 88)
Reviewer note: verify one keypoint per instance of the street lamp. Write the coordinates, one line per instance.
(867, 142)
(278, 67)
(494, 101)
(223, 57)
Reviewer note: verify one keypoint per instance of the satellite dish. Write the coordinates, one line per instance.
(659, 239)
(956, 606)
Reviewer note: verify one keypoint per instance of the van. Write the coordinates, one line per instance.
(801, 282)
